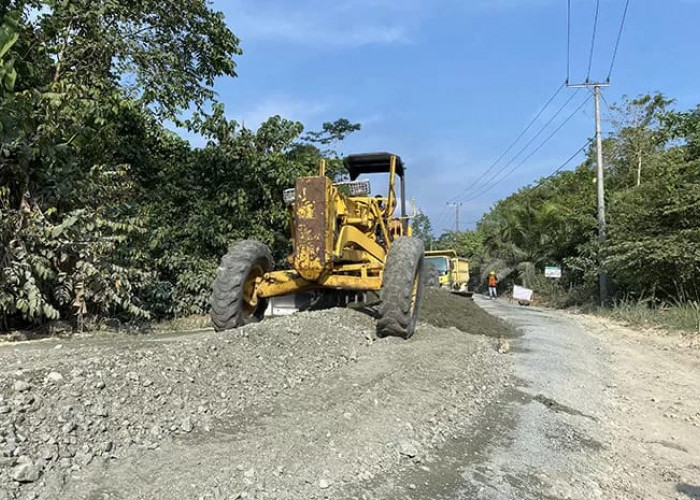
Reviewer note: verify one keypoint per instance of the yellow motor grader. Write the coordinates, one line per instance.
(344, 241)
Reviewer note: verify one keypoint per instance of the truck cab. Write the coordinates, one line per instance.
(453, 271)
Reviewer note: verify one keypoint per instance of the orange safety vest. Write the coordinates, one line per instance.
(493, 281)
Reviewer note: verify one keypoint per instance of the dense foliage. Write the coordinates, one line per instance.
(103, 211)
(652, 254)
(652, 173)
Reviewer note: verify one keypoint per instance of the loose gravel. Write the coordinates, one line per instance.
(305, 406)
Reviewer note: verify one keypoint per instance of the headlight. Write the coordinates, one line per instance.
(356, 188)
(353, 188)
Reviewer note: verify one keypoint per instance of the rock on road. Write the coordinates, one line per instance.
(313, 406)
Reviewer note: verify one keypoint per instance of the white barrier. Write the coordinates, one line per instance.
(522, 294)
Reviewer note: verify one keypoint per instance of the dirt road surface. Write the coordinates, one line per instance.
(313, 406)
(600, 411)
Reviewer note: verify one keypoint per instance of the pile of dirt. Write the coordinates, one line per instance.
(292, 407)
(443, 309)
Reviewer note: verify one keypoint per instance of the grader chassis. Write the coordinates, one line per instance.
(345, 241)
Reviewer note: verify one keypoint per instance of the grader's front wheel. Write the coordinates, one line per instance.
(402, 288)
(233, 301)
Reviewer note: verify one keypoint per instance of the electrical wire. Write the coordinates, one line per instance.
(482, 187)
(517, 139)
(607, 106)
(619, 37)
(563, 165)
(441, 217)
(595, 31)
(479, 185)
(537, 149)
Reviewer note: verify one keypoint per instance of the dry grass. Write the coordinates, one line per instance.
(682, 316)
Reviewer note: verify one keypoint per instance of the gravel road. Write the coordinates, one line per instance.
(592, 410)
(307, 406)
(598, 411)
(313, 406)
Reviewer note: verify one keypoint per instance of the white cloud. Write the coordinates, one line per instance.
(344, 23)
(347, 23)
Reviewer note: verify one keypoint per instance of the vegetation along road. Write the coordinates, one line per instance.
(313, 406)
(138, 144)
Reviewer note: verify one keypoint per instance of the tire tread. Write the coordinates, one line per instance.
(227, 289)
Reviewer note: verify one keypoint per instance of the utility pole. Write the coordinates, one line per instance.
(602, 229)
(456, 206)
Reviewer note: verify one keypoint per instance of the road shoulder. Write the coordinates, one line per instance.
(655, 402)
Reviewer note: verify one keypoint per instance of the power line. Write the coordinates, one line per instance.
(517, 139)
(595, 30)
(555, 131)
(600, 173)
(563, 165)
(479, 185)
(568, 43)
(537, 149)
(441, 217)
(619, 37)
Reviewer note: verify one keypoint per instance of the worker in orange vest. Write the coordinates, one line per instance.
(493, 284)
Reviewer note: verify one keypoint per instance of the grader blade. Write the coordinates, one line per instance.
(312, 228)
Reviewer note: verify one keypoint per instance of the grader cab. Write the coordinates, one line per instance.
(345, 241)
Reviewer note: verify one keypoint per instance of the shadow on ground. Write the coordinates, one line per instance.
(689, 490)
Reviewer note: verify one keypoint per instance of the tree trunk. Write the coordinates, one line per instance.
(639, 170)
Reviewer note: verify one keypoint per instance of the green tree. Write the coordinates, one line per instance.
(162, 54)
(333, 132)
(468, 244)
(74, 73)
(423, 229)
(653, 224)
(9, 34)
(331, 135)
(639, 131)
(655, 232)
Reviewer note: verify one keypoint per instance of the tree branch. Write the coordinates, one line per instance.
(66, 38)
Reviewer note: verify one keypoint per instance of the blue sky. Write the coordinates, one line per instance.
(449, 84)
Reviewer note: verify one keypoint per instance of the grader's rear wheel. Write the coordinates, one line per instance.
(233, 301)
(402, 288)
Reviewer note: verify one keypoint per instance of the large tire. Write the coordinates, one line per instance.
(402, 288)
(234, 283)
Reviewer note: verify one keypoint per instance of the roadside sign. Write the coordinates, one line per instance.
(552, 272)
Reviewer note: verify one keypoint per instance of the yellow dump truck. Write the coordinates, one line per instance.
(452, 271)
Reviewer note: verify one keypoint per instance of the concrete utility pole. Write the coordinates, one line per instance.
(456, 205)
(602, 229)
